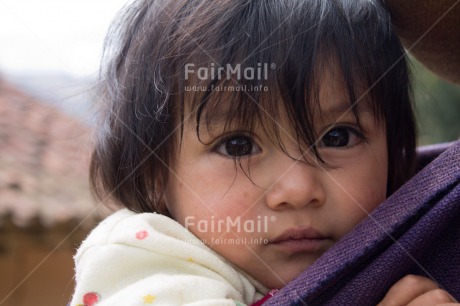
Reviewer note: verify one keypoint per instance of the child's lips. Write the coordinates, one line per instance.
(301, 240)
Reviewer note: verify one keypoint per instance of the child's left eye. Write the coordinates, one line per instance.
(237, 146)
(340, 137)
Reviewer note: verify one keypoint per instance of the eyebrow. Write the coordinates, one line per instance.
(346, 107)
(216, 118)
(210, 123)
(220, 116)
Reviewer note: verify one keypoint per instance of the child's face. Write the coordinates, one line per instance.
(274, 216)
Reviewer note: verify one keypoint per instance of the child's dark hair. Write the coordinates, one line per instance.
(143, 81)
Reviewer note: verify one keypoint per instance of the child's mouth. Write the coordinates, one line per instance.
(301, 240)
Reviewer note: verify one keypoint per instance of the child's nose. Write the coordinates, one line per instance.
(296, 185)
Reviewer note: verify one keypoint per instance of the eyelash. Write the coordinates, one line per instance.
(252, 147)
(353, 135)
(249, 148)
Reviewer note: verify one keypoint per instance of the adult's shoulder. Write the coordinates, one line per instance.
(430, 30)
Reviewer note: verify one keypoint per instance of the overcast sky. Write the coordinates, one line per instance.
(63, 36)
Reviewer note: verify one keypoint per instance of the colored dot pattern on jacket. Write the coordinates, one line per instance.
(90, 299)
(148, 299)
(141, 235)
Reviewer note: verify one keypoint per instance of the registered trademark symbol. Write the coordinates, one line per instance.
(273, 66)
(272, 218)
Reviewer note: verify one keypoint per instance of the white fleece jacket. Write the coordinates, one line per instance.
(150, 259)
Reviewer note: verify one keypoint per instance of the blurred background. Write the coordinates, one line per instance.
(437, 106)
(49, 56)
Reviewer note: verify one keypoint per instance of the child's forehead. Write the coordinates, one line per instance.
(298, 94)
(328, 95)
(270, 112)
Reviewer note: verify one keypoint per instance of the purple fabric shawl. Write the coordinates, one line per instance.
(415, 231)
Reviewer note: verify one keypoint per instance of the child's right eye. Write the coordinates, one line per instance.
(236, 146)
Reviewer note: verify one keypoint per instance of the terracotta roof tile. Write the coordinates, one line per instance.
(43, 162)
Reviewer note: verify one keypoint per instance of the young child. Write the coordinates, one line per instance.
(243, 138)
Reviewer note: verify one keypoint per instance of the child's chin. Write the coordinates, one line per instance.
(280, 281)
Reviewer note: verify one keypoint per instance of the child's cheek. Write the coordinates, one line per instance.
(359, 189)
